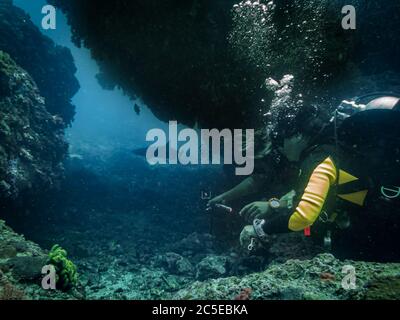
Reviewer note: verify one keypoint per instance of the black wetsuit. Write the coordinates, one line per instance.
(369, 226)
(312, 157)
(275, 174)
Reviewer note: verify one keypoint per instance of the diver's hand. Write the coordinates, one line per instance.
(255, 210)
(248, 233)
(220, 199)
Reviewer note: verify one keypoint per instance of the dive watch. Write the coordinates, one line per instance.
(274, 203)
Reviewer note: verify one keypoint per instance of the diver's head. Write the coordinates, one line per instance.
(293, 146)
(291, 135)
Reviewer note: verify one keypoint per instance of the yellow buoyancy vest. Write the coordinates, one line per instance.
(314, 196)
(310, 206)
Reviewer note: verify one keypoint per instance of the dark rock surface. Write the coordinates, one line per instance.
(202, 62)
(27, 268)
(195, 243)
(173, 54)
(212, 267)
(175, 263)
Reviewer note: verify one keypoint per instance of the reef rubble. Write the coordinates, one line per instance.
(119, 272)
(305, 280)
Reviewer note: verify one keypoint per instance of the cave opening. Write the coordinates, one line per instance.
(112, 206)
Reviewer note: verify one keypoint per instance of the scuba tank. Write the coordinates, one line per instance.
(370, 137)
(367, 129)
(372, 103)
(367, 139)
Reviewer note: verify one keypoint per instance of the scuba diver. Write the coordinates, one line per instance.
(271, 168)
(348, 194)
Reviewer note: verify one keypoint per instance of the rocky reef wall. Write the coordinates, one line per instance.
(32, 140)
(51, 66)
(37, 83)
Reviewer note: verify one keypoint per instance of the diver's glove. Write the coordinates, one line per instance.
(258, 209)
(220, 199)
(221, 207)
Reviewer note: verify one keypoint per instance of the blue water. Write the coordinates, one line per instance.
(106, 185)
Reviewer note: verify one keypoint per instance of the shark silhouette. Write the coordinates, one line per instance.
(141, 152)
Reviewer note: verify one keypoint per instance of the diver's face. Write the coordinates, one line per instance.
(294, 146)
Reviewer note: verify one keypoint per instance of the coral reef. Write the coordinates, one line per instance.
(212, 267)
(292, 246)
(32, 140)
(195, 243)
(51, 66)
(20, 269)
(115, 267)
(175, 264)
(296, 279)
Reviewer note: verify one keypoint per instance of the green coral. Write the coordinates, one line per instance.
(67, 275)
